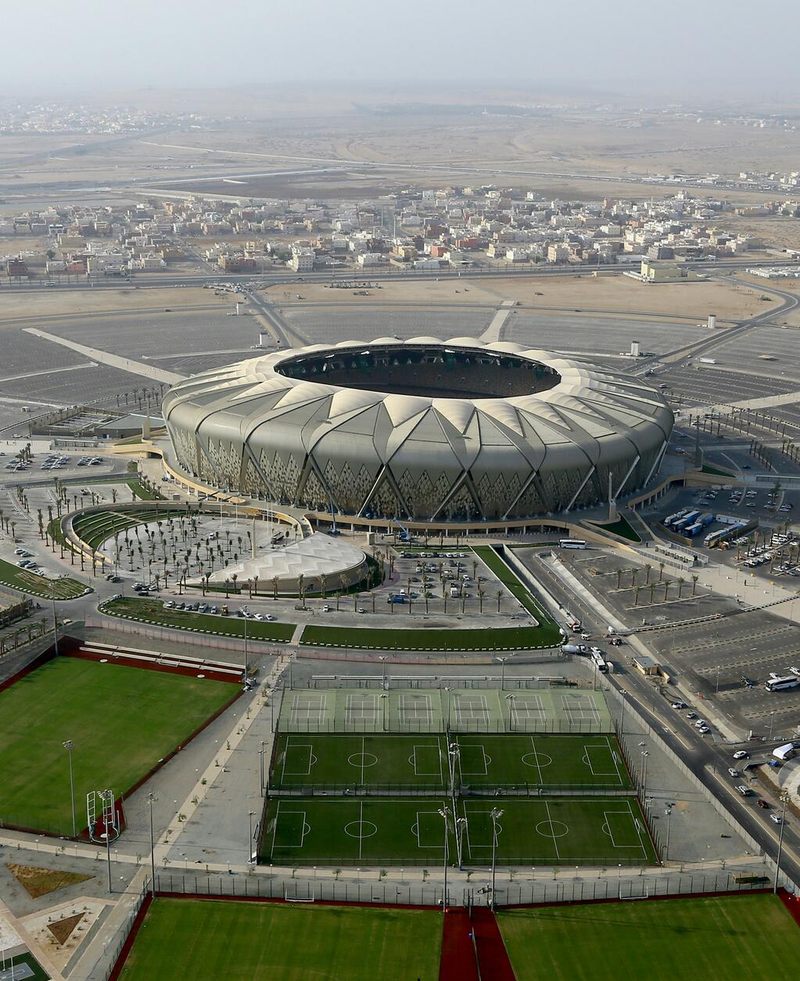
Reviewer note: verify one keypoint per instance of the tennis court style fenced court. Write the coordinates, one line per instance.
(365, 710)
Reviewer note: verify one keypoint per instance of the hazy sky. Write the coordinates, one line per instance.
(695, 46)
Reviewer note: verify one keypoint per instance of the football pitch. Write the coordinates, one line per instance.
(423, 762)
(403, 831)
(121, 721)
(724, 938)
(209, 939)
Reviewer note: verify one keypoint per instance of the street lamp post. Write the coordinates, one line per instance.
(384, 699)
(495, 814)
(68, 746)
(645, 754)
(771, 723)
(244, 675)
(502, 661)
(510, 700)
(784, 801)
(382, 659)
(150, 799)
(717, 685)
(668, 813)
(261, 768)
(250, 815)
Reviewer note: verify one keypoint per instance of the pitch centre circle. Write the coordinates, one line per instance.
(552, 829)
(360, 829)
(362, 759)
(537, 759)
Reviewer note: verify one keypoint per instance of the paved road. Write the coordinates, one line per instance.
(705, 759)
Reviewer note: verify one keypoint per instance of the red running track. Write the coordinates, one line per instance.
(492, 955)
(473, 949)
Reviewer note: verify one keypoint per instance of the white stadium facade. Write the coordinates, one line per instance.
(421, 430)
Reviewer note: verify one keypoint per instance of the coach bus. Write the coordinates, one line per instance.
(572, 543)
(781, 684)
(600, 662)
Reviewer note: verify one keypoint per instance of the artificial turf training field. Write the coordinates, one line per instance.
(421, 762)
(402, 831)
(720, 938)
(252, 941)
(122, 721)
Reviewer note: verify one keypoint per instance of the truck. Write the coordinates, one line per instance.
(574, 649)
(784, 753)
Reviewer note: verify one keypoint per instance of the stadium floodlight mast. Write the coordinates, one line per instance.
(784, 798)
(495, 814)
(69, 745)
(453, 755)
(446, 818)
(382, 659)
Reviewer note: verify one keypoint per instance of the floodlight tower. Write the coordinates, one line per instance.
(495, 814)
(446, 818)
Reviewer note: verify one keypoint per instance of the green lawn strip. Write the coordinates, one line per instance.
(36, 585)
(428, 638)
(516, 587)
(153, 612)
(622, 528)
(724, 938)
(122, 721)
(208, 939)
(348, 830)
(143, 493)
(415, 761)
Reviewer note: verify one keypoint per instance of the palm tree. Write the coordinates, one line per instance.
(234, 577)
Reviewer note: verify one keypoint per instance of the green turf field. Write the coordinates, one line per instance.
(406, 638)
(718, 939)
(201, 940)
(62, 588)
(421, 762)
(122, 721)
(402, 831)
(153, 611)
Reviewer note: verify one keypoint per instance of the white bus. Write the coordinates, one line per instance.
(780, 684)
(572, 543)
(784, 753)
(600, 662)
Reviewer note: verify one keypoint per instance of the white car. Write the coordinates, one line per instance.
(776, 818)
(740, 754)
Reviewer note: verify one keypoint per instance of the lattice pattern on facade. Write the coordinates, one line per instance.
(282, 473)
(384, 502)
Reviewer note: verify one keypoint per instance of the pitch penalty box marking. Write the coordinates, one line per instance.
(629, 815)
(436, 819)
(603, 747)
(301, 751)
(296, 820)
(419, 752)
(479, 757)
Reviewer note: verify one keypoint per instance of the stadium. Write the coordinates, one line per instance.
(424, 429)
